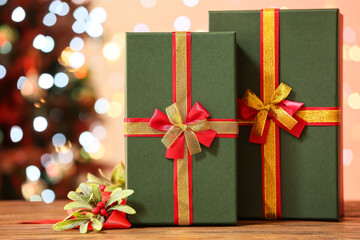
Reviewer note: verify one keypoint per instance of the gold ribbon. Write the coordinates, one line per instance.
(277, 112)
(179, 127)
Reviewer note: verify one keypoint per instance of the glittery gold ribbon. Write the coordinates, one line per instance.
(179, 127)
(277, 112)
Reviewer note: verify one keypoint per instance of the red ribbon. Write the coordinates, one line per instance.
(160, 121)
(247, 113)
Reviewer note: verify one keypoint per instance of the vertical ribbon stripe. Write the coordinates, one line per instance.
(269, 80)
(182, 96)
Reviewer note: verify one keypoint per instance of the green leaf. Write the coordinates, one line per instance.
(79, 215)
(74, 205)
(96, 224)
(92, 178)
(119, 195)
(77, 197)
(68, 217)
(84, 227)
(116, 174)
(68, 224)
(114, 196)
(97, 193)
(125, 193)
(111, 188)
(123, 208)
(102, 174)
(85, 189)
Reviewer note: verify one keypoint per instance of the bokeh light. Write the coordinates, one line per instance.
(18, 14)
(46, 81)
(40, 124)
(3, 2)
(49, 19)
(2, 71)
(182, 23)
(76, 60)
(32, 173)
(101, 105)
(99, 153)
(76, 44)
(79, 26)
(81, 13)
(115, 110)
(190, 3)
(148, 3)
(16, 134)
(94, 29)
(99, 132)
(61, 80)
(66, 156)
(98, 15)
(48, 196)
(354, 101)
(141, 27)
(49, 45)
(58, 140)
(111, 51)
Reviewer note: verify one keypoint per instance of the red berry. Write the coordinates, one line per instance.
(96, 210)
(107, 215)
(100, 205)
(102, 187)
(103, 212)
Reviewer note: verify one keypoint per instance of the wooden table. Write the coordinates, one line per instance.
(12, 212)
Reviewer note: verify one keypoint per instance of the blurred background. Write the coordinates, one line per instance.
(62, 72)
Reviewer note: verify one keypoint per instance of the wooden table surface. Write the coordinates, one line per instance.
(12, 212)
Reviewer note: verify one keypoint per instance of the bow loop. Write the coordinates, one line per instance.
(280, 94)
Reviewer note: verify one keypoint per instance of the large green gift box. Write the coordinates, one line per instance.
(285, 176)
(192, 70)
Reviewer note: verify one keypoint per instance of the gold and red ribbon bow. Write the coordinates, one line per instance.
(185, 128)
(271, 111)
(194, 131)
(276, 108)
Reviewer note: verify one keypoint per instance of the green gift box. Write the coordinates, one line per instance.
(159, 67)
(294, 178)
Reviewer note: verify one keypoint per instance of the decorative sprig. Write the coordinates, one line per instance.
(90, 208)
(117, 179)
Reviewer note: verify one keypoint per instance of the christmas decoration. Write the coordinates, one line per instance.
(96, 207)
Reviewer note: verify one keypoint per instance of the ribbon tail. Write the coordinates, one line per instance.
(259, 123)
(260, 139)
(45, 221)
(297, 129)
(176, 150)
(192, 142)
(116, 220)
(206, 137)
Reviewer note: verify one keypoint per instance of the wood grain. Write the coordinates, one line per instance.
(12, 212)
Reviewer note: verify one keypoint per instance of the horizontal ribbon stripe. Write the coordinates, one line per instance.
(318, 116)
(314, 116)
(142, 129)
